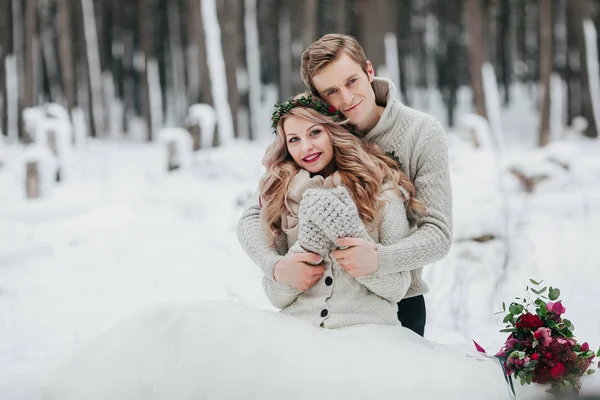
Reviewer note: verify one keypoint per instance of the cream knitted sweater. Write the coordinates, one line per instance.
(419, 142)
(319, 212)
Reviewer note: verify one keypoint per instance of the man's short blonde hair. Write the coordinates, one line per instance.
(324, 51)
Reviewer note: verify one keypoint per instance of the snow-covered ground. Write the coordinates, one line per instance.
(121, 233)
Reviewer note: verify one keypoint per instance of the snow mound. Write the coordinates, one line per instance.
(228, 350)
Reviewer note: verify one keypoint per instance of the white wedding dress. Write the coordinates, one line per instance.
(229, 350)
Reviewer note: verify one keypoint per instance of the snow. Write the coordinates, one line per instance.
(122, 235)
(216, 69)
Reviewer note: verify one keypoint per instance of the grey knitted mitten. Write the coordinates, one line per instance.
(310, 236)
(333, 212)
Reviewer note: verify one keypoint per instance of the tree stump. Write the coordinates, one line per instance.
(52, 145)
(32, 180)
(196, 133)
(173, 159)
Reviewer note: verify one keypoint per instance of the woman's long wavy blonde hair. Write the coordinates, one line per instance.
(362, 166)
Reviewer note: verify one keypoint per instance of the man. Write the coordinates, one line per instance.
(335, 68)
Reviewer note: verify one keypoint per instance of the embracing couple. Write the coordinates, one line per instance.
(356, 198)
(355, 201)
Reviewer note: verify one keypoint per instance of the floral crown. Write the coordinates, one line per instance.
(306, 102)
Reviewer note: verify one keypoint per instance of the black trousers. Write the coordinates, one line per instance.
(412, 314)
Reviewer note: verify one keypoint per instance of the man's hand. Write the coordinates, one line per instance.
(358, 258)
(294, 270)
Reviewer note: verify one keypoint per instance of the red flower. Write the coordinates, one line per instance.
(331, 109)
(585, 346)
(557, 371)
(548, 355)
(535, 356)
(529, 321)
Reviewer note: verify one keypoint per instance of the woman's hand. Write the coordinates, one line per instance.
(299, 270)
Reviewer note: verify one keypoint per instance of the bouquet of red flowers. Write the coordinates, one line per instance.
(541, 347)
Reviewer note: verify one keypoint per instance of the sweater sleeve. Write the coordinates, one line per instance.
(392, 228)
(255, 241)
(281, 294)
(432, 239)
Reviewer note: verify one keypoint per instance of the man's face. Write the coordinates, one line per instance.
(344, 85)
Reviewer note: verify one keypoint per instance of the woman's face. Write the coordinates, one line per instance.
(309, 145)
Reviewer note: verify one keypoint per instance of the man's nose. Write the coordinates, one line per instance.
(347, 96)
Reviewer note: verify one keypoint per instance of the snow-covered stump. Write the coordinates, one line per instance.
(479, 130)
(205, 117)
(40, 170)
(31, 119)
(195, 133)
(178, 146)
(56, 135)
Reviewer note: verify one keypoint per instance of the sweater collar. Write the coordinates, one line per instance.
(385, 95)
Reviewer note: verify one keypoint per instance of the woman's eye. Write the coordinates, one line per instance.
(315, 132)
(292, 140)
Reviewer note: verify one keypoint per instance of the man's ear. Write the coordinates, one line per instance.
(370, 71)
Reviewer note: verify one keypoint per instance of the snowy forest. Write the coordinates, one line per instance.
(133, 133)
(116, 62)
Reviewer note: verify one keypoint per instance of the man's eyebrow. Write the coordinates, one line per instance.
(347, 79)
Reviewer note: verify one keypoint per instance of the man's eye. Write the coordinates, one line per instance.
(351, 81)
(329, 93)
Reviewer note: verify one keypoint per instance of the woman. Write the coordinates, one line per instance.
(323, 183)
(326, 184)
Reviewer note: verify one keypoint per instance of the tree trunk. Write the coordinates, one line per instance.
(582, 12)
(193, 48)
(49, 52)
(546, 55)
(67, 64)
(145, 48)
(285, 55)
(178, 103)
(6, 48)
(473, 21)
(309, 21)
(31, 55)
(206, 94)
(405, 38)
(504, 54)
(229, 14)
(374, 21)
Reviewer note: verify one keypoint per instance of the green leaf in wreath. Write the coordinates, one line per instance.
(534, 282)
(590, 371)
(554, 293)
(508, 318)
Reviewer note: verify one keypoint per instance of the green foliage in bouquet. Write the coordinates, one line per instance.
(541, 347)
